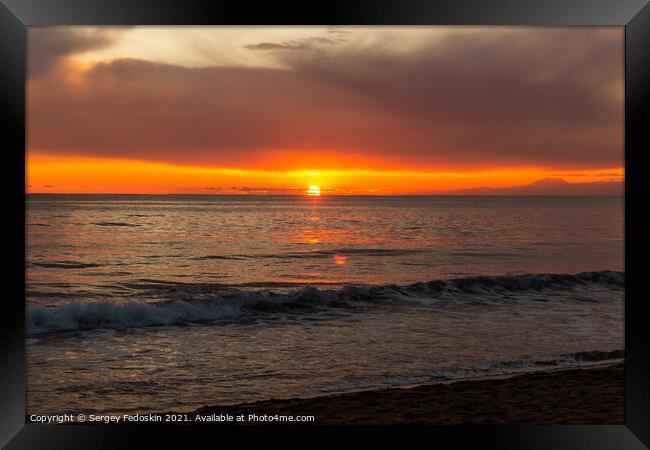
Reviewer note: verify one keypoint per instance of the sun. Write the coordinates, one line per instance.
(313, 191)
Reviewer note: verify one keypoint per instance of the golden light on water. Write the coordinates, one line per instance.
(340, 260)
(313, 191)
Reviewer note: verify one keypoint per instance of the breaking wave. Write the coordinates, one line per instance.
(180, 306)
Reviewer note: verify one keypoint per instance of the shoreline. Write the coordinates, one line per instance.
(587, 395)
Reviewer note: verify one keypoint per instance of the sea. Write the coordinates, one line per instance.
(151, 303)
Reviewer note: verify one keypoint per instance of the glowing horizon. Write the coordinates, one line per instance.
(346, 110)
(55, 174)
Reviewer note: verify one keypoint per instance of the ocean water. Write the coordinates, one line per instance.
(159, 303)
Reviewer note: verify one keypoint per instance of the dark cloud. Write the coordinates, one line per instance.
(541, 97)
(338, 32)
(253, 190)
(48, 45)
(306, 44)
(608, 174)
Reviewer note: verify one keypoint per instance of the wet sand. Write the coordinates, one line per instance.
(578, 396)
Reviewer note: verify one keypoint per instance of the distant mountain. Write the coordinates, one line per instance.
(549, 186)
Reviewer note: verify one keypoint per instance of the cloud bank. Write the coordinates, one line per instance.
(47, 46)
(518, 97)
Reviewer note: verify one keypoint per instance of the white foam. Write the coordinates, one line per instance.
(106, 315)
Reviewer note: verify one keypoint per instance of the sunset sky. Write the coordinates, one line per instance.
(353, 110)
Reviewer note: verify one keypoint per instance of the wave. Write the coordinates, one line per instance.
(317, 254)
(116, 224)
(64, 264)
(538, 282)
(528, 364)
(566, 359)
(187, 304)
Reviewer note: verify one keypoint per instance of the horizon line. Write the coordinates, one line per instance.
(330, 195)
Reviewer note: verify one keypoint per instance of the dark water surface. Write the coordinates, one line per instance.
(151, 303)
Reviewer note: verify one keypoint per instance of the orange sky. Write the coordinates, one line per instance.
(375, 110)
(55, 174)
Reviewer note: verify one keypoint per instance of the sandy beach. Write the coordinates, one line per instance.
(576, 396)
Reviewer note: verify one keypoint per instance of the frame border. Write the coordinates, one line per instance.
(16, 15)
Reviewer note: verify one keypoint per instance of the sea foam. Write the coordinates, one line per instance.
(240, 303)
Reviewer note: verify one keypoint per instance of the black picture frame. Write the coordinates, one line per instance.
(16, 15)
